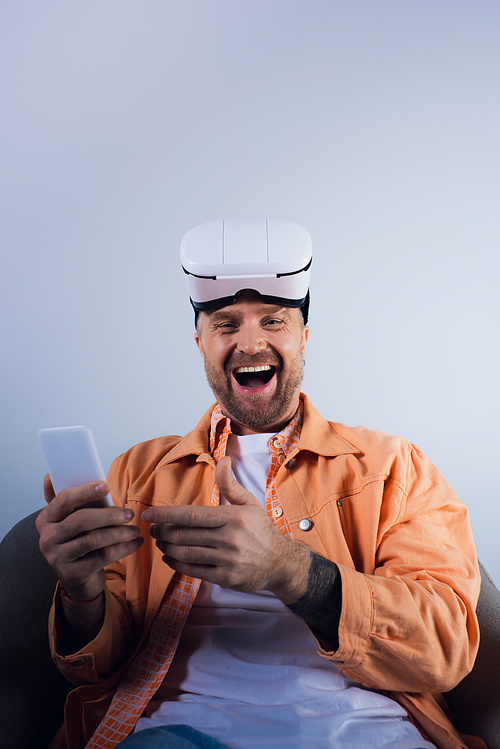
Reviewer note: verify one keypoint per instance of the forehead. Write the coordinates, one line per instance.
(250, 307)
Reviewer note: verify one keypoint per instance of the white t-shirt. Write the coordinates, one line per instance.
(247, 670)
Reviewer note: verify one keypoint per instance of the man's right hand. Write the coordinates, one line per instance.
(78, 542)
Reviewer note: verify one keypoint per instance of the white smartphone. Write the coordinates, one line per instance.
(72, 459)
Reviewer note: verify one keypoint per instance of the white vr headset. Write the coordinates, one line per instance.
(270, 256)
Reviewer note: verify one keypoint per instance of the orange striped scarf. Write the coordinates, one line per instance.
(150, 666)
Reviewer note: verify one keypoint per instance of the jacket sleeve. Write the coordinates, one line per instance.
(100, 657)
(411, 625)
(115, 641)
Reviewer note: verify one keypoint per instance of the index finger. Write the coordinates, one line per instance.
(187, 515)
(64, 503)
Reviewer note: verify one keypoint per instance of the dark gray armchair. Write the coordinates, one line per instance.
(33, 692)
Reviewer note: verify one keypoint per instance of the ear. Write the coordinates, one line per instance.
(305, 337)
(199, 344)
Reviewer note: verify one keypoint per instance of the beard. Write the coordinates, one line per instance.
(259, 410)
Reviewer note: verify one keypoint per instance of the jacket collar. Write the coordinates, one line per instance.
(196, 442)
(318, 436)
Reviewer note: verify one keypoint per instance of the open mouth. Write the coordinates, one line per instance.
(252, 378)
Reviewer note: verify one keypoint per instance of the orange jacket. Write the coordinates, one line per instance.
(379, 509)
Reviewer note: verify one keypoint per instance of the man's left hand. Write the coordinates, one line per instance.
(234, 545)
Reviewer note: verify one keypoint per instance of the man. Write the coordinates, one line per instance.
(286, 581)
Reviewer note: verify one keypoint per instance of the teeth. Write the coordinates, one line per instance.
(263, 368)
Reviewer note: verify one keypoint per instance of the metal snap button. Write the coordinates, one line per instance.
(291, 463)
(305, 524)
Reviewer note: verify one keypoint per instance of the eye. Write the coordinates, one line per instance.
(273, 322)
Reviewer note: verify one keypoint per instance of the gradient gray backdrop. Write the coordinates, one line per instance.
(375, 124)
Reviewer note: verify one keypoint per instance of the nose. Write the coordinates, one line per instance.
(251, 340)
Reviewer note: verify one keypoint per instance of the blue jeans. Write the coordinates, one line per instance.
(171, 737)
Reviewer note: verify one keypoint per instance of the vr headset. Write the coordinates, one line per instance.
(270, 256)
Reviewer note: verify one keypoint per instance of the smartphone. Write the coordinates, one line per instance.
(72, 459)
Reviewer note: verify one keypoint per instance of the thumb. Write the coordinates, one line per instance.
(229, 488)
(48, 489)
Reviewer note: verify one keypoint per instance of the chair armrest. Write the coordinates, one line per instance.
(475, 702)
(28, 675)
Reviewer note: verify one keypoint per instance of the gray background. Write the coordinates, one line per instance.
(373, 124)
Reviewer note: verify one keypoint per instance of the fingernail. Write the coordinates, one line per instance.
(101, 487)
(148, 516)
(128, 514)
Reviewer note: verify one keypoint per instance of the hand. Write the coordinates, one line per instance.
(236, 546)
(79, 542)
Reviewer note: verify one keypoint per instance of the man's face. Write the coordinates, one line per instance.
(254, 357)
